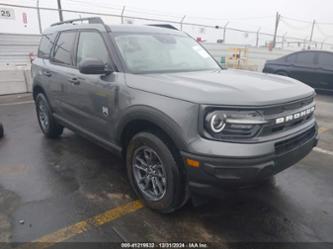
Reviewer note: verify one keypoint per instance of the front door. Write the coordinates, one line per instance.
(93, 96)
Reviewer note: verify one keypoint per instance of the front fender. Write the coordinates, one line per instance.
(156, 117)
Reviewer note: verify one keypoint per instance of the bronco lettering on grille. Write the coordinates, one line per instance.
(294, 116)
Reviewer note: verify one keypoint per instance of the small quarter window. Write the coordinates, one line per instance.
(46, 44)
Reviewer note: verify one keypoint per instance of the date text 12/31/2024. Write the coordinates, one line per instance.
(165, 245)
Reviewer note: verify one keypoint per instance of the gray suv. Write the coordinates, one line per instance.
(185, 126)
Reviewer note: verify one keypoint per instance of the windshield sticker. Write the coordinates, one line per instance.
(200, 51)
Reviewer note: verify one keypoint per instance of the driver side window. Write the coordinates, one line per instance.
(91, 45)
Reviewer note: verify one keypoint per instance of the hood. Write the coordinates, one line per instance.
(224, 87)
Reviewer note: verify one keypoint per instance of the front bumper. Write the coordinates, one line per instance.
(220, 173)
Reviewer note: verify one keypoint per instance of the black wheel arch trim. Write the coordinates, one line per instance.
(154, 116)
(43, 92)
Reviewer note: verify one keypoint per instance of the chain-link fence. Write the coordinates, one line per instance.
(225, 33)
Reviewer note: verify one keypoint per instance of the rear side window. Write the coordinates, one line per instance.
(46, 44)
(63, 51)
(306, 58)
(91, 45)
(326, 59)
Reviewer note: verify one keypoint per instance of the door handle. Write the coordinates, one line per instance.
(47, 73)
(74, 81)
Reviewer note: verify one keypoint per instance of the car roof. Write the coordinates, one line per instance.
(310, 50)
(126, 28)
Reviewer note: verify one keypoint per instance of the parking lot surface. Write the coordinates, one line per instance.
(72, 190)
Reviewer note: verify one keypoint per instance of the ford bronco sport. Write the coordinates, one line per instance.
(153, 95)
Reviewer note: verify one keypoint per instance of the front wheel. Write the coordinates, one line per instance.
(154, 173)
(47, 123)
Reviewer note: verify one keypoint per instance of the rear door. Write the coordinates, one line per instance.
(61, 67)
(305, 67)
(41, 71)
(325, 74)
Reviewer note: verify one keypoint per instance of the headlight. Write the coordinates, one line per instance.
(216, 122)
(233, 124)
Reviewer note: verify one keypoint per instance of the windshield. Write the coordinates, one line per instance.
(151, 52)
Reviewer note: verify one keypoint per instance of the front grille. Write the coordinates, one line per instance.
(288, 106)
(284, 110)
(272, 128)
(287, 145)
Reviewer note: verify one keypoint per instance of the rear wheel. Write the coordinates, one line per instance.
(154, 173)
(47, 123)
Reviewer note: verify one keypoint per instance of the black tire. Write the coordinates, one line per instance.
(51, 129)
(1, 130)
(174, 195)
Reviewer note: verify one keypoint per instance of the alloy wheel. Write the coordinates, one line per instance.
(149, 173)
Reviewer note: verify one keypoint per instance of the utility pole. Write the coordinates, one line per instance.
(181, 23)
(61, 18)
(277, 21)
(257, 40)
(225, 32)
(312, 29)
(122, 14)
(39, 19)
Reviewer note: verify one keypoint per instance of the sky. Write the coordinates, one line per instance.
(296, 19)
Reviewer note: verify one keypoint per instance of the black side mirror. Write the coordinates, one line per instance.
(94, 66)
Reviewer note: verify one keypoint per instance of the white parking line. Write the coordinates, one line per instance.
(320, 150)
(18, 103)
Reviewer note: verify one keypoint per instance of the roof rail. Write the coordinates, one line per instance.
(167, 26)
(91, 20)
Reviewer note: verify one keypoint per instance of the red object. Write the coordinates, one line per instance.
(24, 18)
(199, 39)
(32, 56)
